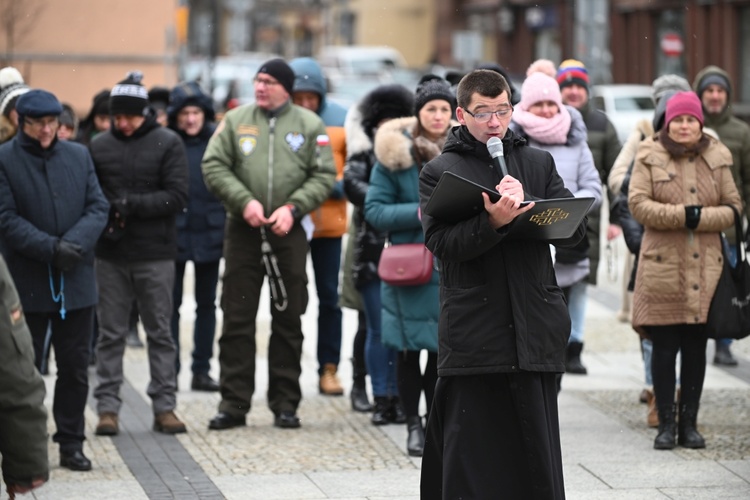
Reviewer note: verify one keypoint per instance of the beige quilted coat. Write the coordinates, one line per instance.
(678, 268)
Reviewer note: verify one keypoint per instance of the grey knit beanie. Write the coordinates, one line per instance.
(668, 83)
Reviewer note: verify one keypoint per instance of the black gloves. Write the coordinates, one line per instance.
(67, 255)
(121, 207)
(692, 216)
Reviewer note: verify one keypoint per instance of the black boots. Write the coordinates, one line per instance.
(415, 440)
(573, 359)
(665, 439)
(388, 410)
(688, 435)
(358, 396)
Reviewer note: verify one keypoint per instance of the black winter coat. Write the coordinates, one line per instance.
(369, 241)
(145, 179)
(200, 225)
(46, 196)
(500, 307)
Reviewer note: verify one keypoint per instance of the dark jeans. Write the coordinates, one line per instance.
(70, 338)
(206, 277)
(412, 382)
(690, 341)
(326, 259)
(381, 360)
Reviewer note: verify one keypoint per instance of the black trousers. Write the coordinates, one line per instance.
(71, 338)
(493, 436)
(244, 274)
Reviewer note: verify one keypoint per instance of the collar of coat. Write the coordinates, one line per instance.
(399, 144)
(660, 151)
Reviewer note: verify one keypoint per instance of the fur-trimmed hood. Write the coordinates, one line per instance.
(357, 140)
(399, 145)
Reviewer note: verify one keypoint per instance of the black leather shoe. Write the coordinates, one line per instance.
(204, 382)
(75, 460)
(224, 420)
(287, 420)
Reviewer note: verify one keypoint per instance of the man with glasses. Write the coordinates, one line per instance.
(493, 430)
(52, 212)
(270, 163)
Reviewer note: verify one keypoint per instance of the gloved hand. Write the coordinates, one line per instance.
(121, 207)
(67, 255)
(692, 216)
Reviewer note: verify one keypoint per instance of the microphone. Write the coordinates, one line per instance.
(495, 148)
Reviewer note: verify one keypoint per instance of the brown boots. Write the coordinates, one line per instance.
(168, 423)
(652, 417)
(108, 425)
(329, 381)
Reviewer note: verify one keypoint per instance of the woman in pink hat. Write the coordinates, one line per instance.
(680, 183)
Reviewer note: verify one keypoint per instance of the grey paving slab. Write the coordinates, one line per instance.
(708, 493)
(739, 467)
(268, 487)
(626, 494)
(660, 474)
(389, 484)
(103, 489)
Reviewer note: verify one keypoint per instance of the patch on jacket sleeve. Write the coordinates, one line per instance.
(295, 140)
(323, 140)
(16, 314)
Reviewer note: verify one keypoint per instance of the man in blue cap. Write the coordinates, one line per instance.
(52, 212)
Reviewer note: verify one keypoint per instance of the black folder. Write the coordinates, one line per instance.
(455, 199)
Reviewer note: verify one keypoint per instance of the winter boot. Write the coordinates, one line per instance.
(573, 359)
(329, 384)
(665, 439)
(652, 416)
(415, 440)
(396, 412)
(358, 396)
(380, 414)
(688, 436)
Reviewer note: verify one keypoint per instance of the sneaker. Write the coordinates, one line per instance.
(168, 423)
(108, 425)
(329, 381)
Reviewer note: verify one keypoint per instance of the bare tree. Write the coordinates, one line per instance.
(16, 21)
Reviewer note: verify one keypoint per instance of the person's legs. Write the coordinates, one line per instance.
(577, 297)
(666, 344)
(285, 344)
(206, 280)
(723, 352)
(179, 274)
(154, 285)
(326, 259)
(360, 401)
(115, 303)
(692, 375)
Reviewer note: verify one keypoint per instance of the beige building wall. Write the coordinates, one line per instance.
(75, 48)
(406, 25)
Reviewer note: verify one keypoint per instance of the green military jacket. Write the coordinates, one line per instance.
(23, 417)
(277, 158)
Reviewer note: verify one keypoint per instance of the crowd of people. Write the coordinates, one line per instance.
(100, 217)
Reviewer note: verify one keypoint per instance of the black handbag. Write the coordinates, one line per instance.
(729, 314)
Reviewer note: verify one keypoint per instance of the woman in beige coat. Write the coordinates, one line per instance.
(679, 183)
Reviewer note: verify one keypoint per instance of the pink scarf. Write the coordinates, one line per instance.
(544, 130)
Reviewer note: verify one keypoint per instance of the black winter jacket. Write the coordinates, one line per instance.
(145, 179)
(500, 307)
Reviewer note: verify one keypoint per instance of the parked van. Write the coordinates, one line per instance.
(360, 59)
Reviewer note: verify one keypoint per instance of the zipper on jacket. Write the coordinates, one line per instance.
(272, 127)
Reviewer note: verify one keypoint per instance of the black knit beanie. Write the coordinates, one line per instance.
(129, 97)
(432, 87)
(279, 69)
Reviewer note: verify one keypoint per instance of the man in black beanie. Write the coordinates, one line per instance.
(142, 168)
(48, 243)
(270, 163)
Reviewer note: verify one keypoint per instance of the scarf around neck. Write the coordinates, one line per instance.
(544, 130)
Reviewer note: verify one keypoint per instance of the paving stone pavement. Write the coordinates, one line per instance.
(607, 448)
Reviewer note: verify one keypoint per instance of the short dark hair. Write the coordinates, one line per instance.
(483, 82)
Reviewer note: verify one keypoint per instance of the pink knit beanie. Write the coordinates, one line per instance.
(684, 103)
(539, 87)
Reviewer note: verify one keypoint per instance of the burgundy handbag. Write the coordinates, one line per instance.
(408, 264)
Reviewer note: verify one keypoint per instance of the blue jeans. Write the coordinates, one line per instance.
(647, 349)
(576, 294)
(326, 260)
(205, 280)
(732, 254)
(381, 360)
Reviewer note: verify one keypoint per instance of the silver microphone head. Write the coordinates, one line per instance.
(495, 147)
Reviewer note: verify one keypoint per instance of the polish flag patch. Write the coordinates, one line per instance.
(323, 140)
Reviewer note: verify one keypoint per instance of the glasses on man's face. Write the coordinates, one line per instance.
(40, 123)
(484, 117)
(265, 81)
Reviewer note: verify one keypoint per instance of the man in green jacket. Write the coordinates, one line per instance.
(23, 417)
(713, 86)
(270, 163)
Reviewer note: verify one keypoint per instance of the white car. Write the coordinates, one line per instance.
(625, 105)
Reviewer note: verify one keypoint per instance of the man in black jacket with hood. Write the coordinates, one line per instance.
(493, 430)
(143, 172)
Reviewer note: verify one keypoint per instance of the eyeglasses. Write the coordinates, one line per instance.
(39, 124)
(485, 117)
(265, 81)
